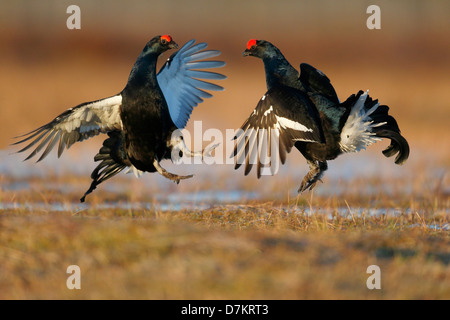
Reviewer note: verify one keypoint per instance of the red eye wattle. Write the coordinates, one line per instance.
(251, 43)
(166, 37)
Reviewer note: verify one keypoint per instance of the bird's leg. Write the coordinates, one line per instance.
(316, 171)
(206, 152)
(175, 178)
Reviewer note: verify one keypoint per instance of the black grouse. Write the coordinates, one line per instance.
(141, 119)
(304, 111)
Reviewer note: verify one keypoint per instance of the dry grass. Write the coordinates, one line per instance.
(308, 247)
(227, 252)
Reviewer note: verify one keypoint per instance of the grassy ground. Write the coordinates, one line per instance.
(134, 245)
(256, 251)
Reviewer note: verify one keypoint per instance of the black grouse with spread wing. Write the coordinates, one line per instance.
(303, 110)
(140, 119)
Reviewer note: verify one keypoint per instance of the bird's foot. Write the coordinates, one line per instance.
(176, 178)
(171, 176)
(204, 153)
(208, 150)
(309, 182)
(315, 174)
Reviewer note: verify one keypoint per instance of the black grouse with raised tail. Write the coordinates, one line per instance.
(141, 119)
(303, 110)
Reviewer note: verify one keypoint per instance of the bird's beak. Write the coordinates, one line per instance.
(173, 45)
(246, 53)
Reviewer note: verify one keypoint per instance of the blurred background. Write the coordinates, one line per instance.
(46, 68)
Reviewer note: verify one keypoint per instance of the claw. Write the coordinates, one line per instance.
(175, 178)
(310, 184)
(207, 151)
(204, 153)
(315, 174)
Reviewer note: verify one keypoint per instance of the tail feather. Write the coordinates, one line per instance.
(389, 129)
(367, 122)
(113, 160)
(398, 145)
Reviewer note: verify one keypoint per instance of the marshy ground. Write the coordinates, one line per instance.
(150, 239)
(221, 235)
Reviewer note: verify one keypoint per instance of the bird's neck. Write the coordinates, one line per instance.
(280, 72)
(143, 73)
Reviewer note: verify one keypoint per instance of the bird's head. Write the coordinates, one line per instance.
(160, 44)
(166, 42)
(260, 49)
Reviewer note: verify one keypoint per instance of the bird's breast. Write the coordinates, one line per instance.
(146, 126)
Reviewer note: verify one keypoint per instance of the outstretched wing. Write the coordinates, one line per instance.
(283, 116)
(75, 124)
(316, 82)
(179, 80)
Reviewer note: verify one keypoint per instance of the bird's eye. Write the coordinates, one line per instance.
(253, 47)
(163, 41)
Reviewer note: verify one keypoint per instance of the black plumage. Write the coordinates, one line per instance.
(304, 111)
(141, 119)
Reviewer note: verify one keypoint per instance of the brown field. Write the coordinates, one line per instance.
(221, 235)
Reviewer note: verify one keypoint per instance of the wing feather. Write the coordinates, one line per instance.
(205, 64)
(75, 124)
(315, 81)
(205, 54)
(179, 80)
(282, 117)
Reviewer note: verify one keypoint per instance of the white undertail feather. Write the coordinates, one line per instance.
(357, 132)
(137, 173)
